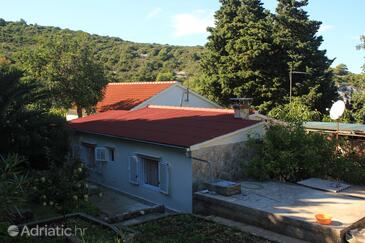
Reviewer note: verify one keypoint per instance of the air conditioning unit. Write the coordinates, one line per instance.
(101, 154)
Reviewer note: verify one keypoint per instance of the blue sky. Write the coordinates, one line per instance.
(184, 22)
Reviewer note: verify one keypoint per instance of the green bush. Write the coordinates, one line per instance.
(62, 187)
(349, 168)
(289, 153)
(13, 183)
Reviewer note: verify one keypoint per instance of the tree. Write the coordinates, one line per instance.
(165, 76)
(358, 106)
(238, 61)
(341, 70)
(2, 22)
(296, 111)
(26, 126)
(67, 67)
(341, 74)
(297, 41)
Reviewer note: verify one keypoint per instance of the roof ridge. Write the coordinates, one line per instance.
(145, 82)
(191, 108)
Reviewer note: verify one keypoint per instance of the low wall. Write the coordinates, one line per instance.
(312, 232)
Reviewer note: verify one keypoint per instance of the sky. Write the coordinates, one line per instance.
(184, 22)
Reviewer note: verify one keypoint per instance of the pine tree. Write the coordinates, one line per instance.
(238, 58)
(298, 47)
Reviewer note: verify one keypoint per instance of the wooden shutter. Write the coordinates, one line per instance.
(133, 170)
(164, 177)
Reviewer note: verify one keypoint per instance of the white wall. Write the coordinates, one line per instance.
(172, 97)
(115, 174)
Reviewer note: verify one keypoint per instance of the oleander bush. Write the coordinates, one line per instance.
(62, 187)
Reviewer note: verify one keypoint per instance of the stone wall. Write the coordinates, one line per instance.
(226, 162)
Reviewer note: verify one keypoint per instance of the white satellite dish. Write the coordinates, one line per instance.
(337, 109)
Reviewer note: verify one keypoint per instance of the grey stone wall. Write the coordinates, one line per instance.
(226, 162)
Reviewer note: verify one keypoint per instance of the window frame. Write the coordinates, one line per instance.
(141, 157)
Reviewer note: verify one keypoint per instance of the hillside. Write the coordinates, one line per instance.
(124, 60)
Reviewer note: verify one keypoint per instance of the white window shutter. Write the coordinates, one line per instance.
(164, 175)
(101, 154)
(133, 170)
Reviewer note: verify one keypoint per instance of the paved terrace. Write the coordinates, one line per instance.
(287, 209)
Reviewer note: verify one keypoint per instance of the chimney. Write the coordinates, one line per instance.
(241, 107)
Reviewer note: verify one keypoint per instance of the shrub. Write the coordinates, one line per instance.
(349, 168)
(289, 153)
(13, 183)
(63, 187)
(296, 111)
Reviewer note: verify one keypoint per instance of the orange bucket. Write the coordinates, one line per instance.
(324, 218)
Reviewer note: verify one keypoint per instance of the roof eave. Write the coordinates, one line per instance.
(132, 139)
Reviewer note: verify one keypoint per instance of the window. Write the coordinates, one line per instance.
(89, 154)
(111, 153)
(150, 171)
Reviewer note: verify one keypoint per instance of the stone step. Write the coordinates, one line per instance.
(266, 234)
(141, 219)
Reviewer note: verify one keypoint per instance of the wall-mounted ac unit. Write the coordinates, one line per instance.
(101, 154)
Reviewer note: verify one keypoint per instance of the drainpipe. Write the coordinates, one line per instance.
(188, 155)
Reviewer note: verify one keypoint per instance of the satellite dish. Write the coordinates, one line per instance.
(337, 109)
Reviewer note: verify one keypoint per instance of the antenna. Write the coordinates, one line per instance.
(337, 109)
(336, 112)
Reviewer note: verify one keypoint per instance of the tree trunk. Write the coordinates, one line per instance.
(79, 111)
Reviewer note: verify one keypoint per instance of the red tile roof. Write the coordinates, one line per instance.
(125, 96)
(182, 127)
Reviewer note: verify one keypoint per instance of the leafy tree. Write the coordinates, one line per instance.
(341, 74)
(238, 59)
(165, 76)
(296, 111)
(358, 106)
(67, 67)
(341, 70)
(298, 45)
(26, 127)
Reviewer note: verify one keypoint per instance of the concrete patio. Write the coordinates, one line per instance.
(113, 202)
(287, 209)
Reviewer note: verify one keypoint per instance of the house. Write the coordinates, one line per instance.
(135, 95)
(163, 153)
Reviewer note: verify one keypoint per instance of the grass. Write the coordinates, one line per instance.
(188, 228)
